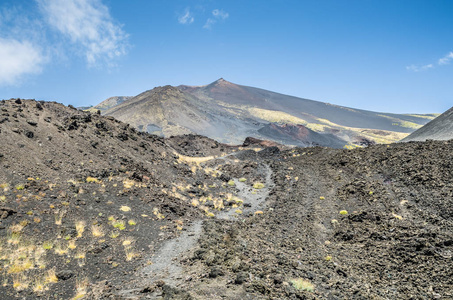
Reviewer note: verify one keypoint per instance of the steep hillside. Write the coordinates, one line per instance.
(312, 112)
(229, 113)
(168, 111)
(85, 199)
(441, 128)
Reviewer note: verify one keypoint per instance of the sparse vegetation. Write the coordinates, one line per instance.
(302, 284)
(125, 208)
(258, 185)
(92, 179)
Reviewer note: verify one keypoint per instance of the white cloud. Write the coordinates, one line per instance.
(415, 68)
(187, 18)
(18, 58)
(209, 23)
(220, 14)
(217, 14)
(442, 61)
(88, 24)
(446, 59)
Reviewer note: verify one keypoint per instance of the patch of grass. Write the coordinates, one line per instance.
(47, 245)
(80, 256)
(125, 208)
(258, 185)
(130, 253)
(301, 284)
(231, 183)
(114, 234)
(72, 244)
(92, 179)
(97, 231)
(20, 266)
(20, 282)
(51, 276)
(80, 228)
(127, 242)
(120, 224)
(343, 212)
(14, 238)
(242, 179)
(131, 222)
(39, 286)
(20, 187)
(81, 288)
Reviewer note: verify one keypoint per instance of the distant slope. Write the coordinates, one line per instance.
(313, 112)
(168, 111)
(111, 102)
(229, 113)
(441, 128)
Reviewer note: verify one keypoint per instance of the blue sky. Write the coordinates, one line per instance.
(392, 56)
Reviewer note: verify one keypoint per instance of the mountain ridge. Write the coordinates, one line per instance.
(229, 113)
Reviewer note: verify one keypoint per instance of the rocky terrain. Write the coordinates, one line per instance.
(229, 113)
(92, 208)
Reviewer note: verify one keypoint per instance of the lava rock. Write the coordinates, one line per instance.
(64, 274)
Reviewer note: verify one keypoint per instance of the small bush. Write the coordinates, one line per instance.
(258, 185)
(302, 284)
(92, 179)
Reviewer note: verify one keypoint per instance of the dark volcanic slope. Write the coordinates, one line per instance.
(170, 111)
(300, 135)
(229, 113)
(306, 109)
(441, 128)
(371, 223)
(85, 199)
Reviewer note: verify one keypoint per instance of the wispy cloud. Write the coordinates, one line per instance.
(19, 58)
(217, 15)
(220, 14)
(186, 18)
(446, 59)
(442, 61)
(89, 26)
(415, 68)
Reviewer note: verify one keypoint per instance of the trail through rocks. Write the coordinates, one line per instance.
(165, 267)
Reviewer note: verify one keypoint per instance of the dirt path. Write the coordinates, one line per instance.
(165, 265)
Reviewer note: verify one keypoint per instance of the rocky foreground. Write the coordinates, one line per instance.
(91, 208)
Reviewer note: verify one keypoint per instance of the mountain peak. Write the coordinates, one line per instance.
(221, 81)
